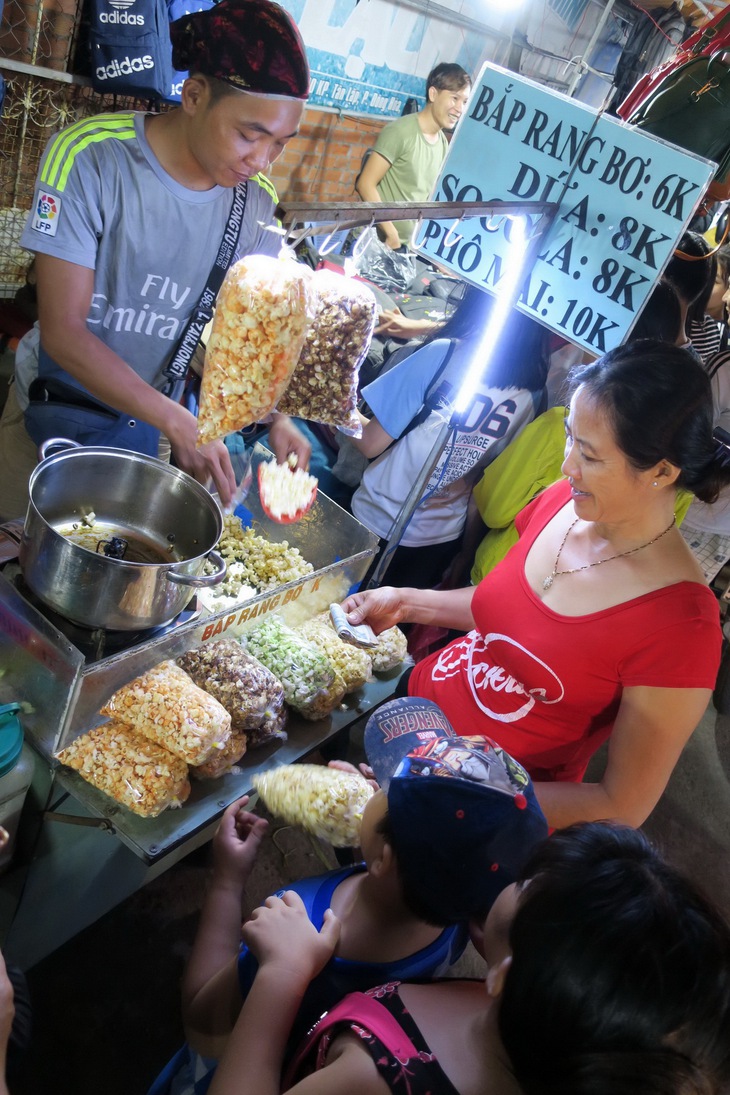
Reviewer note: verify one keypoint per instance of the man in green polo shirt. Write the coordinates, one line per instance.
(407, 157)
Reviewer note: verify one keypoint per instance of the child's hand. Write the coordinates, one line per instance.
(236, 842)
(281, 934)
(362, 770)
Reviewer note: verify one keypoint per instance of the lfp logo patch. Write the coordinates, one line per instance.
(47, 210)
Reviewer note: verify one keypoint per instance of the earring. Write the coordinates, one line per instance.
(655, 484)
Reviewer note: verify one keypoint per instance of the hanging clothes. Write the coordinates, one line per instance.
(649, 45)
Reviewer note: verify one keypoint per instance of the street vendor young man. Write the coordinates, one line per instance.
(128, 215)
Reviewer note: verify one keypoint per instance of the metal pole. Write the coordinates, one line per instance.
(579, 67)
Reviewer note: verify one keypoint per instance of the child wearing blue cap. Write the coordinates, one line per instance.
(607, 973)
(451, 826)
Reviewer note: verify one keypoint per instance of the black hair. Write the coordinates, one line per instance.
(520, 358)
(661, 316)
(620, 973)
(692, 277)
(447, 77)
(658, 401)
(414, 893)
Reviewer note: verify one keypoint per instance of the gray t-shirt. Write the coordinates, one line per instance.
(103, 201)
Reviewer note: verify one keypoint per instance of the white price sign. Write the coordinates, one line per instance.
(628, 200)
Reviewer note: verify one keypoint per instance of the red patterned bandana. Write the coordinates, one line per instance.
(253, 45)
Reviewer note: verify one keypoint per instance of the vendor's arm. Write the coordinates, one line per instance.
(651, 729)
(210, 994)
(388, 606)
(64, 298)
(290, 952)
(366, 185)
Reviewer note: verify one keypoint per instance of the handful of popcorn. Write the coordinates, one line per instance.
(286, 492)
(262, 313)
(325, 802)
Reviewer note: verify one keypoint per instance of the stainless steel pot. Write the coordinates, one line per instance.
(169, 522)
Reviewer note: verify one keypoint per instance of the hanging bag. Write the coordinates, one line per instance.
(131, 51)
(691, 107)
(713, 37)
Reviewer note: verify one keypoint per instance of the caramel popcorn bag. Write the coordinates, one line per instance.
(262, 313)
(245, 687)
(323, 387)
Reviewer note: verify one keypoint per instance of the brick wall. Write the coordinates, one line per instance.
(321, 162)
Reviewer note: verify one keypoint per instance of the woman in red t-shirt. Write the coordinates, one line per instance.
(597, 624)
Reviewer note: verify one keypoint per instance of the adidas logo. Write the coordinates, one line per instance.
(121, 17)
(124, 67)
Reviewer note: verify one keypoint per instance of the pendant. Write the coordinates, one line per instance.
(548, 581)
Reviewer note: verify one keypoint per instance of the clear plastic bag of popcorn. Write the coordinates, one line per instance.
(245, 687)
(390, 650)
(323, 386)
(355, 666)
(129, 768)
(324, 801)
(262, 313)
(272, 729)
(223, 759)
(311, 685)
(165, 706)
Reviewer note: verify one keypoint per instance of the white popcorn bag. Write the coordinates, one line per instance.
(355, 666)
(325, 802)
(262, 313)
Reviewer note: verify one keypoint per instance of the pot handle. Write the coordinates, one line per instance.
(56, 443)
(204, 580)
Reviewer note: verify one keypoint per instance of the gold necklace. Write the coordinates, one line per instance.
(547, 582)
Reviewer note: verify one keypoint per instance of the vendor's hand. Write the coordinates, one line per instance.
(381, 608)
(236, 842)
(209, 462)
(285, 439)
(280, 934)
(362, 770)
